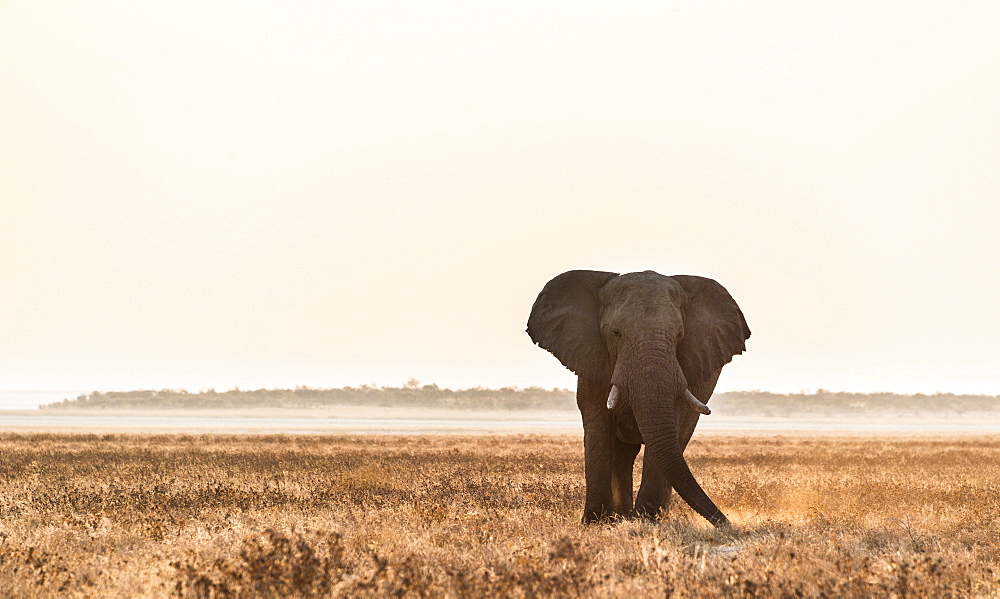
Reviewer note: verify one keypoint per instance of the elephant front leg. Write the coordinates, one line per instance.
(655, 491)
(598, 446)
(687, 420)
(654, 497)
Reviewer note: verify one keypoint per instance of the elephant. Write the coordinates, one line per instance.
(647, 350)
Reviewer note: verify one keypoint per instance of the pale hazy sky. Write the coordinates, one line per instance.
(210, 194)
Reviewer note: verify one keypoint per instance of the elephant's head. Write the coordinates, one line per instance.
(647, 338)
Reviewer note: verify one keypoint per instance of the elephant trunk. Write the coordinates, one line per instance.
(653, 390)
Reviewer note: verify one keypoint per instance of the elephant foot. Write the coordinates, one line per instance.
(653, 503)
(592, 517)
(653, 512)
(648, 515)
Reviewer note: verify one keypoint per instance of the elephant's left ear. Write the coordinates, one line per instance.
(714, 329)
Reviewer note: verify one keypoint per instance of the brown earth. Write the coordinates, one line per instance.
(252, 516)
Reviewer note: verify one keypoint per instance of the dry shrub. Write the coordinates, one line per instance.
(277, 564)
(274, 564)
(673, 560)
(29, 571)
(763, 564)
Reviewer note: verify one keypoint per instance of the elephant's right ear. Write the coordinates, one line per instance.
(565, 320)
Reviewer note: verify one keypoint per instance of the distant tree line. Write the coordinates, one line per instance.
(823, 402)
(415, 395)
(410, 395)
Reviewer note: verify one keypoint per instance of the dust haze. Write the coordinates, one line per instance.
(417, 408)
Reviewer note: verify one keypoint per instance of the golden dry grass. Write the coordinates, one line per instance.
(250, 516)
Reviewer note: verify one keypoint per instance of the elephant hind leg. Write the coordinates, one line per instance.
(621, 477)
(653, 498)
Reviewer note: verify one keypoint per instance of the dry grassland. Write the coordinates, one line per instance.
(270, 516)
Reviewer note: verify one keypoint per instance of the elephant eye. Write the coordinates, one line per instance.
(617, 333)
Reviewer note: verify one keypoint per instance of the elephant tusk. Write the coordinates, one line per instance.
(693, 401)
(613, 397)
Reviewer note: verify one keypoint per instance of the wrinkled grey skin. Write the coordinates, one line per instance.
(651, 336)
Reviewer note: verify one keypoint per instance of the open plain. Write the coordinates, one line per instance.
(489, 515)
